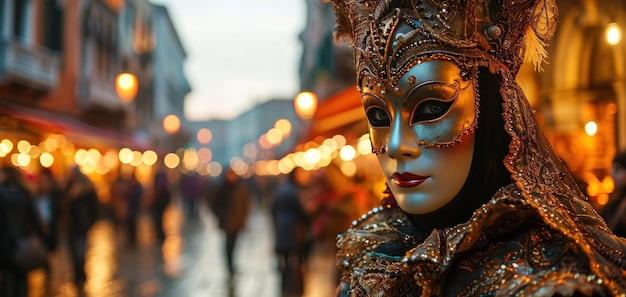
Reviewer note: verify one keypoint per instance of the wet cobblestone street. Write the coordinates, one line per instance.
(190, 262)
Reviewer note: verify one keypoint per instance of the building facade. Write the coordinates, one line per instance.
(58, 66)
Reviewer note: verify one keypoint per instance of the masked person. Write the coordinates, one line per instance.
(477, 203)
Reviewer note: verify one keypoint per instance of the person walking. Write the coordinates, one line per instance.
(161, 198)
(292, 232)
(126, 194)
(48, 196)
(190, 192)
(81, 204)
(22, 224)
(231, 205)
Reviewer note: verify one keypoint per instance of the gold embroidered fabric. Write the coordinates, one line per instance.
(537, 236)
(505, 249)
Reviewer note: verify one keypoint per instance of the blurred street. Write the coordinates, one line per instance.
(188, 263)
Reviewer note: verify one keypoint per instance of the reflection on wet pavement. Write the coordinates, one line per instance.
(189, 262)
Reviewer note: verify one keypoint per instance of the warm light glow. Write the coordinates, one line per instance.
(171, 160)
(22, 159)
(171, 124)
(51, 144)
(93, 156)
(348, 169)
(365, 145)
(46, 160)
(126, 86)
(298, 159)
(305, 104)
(591, 128)
(347, 153)
(204, 136)
(6, 146)
(126, 155)
(285, 165)
(284, 126)
(272, 167)
(80, 157)
(261, 168)
(330, 143)
(34, 151)
(340, 140)
(68, 149)
(137, 159)
(190, 159)
(23, 146)
(274, 136)
(613, 34)
(312, 156)
(264, 142)
(110, 158)
(149, 157)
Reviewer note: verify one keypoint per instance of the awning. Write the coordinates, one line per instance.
(41, 122)
(341, 113)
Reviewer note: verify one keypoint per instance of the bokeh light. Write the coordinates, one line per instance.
(171, 124)
(204, 136)
(171, 160)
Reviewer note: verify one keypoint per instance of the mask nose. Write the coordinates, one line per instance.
(403, 142)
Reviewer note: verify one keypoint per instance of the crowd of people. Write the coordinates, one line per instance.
(39, 212)
(35, 211)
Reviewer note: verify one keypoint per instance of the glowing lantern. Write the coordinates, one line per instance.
(126, 86)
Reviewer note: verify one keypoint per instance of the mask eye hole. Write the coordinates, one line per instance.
(430, 110)
(378, 117)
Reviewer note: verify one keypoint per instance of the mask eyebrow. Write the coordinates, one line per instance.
(375, 96)
(431, 83)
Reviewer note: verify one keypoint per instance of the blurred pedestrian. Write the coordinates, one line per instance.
(81, 204)
(24, 236)
(614, 212)
(292, 233)
(231, 206)
(190, 190)
(126, 194)
(48, 198)
(161, 198)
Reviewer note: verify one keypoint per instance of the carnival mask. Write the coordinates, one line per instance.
(423, 133)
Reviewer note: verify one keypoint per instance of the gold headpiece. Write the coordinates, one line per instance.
(389, 37)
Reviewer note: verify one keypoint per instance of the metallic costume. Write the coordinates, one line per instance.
(535, 237)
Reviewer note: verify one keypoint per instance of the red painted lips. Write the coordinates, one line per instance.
(407, 180)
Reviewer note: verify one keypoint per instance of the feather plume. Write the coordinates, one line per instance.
(535, 49)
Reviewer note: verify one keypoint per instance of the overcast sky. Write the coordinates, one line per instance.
(240, 52)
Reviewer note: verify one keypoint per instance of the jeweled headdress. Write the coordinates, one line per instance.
(390, 36)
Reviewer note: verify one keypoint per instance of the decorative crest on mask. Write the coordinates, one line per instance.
(391, 36)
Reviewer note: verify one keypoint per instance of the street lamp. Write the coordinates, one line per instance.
(126, 86)
(305, 104)
(613, 35)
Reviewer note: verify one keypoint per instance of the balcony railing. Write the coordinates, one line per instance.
(32, 66)
(100, 93)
